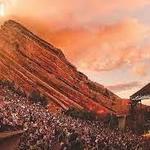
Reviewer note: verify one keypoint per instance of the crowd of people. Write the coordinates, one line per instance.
(44, 130)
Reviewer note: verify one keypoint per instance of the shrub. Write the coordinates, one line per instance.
(82, 114)
(36, 97)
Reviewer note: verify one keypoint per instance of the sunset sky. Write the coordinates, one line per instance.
(108, 40)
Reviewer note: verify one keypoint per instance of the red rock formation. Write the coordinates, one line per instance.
(33, 63)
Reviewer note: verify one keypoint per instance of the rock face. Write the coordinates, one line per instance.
(33, 63)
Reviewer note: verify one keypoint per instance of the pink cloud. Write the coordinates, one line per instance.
(73, 12)
(141, 69)
(124, 86)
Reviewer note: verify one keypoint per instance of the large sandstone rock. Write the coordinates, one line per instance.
(33, 63)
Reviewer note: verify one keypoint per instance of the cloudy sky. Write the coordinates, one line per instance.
(109, 40)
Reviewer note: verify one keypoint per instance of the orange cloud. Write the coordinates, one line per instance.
(79, 28)
(101, 48)
(141, 69)
(106, 47)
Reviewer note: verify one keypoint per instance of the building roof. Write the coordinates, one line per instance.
(145, 91)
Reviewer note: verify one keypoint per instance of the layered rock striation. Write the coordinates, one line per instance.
(32, 63)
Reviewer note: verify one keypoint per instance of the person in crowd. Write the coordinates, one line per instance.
(44, 130)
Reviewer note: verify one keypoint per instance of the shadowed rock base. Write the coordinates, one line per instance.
(9, 140)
